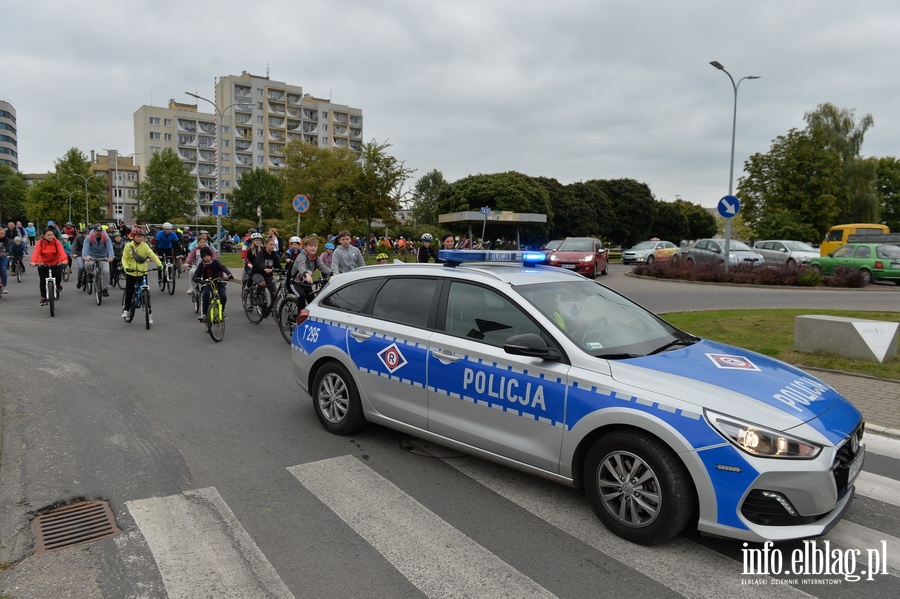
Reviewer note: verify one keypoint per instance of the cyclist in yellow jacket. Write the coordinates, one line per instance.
(134, 262)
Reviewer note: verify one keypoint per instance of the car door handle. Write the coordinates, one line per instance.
(361, 335)
(445, 358)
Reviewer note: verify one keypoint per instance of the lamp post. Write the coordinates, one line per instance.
(220, 117)
(87, 216)
(70, 203)
(734, 85)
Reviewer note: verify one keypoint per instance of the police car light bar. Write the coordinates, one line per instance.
(454, 257)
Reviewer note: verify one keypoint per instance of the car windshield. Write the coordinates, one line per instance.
(799, 246)
(602, 322)
(577, 245)
(552, 245)
(736, 245)
(645, 245)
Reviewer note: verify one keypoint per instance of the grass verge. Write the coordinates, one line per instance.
(771, 332)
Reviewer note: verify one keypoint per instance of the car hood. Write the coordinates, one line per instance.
(636, 252)
(743, 384)
(571, 255)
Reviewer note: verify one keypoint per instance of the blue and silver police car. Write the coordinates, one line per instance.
(545, 371)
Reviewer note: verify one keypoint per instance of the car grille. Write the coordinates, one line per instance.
(847, 451)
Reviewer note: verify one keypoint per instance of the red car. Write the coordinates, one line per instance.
(584, 255)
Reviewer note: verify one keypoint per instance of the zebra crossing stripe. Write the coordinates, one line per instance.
(680, 564)
(433, 555)
(850, 535)
(878, 487)
(202, 550)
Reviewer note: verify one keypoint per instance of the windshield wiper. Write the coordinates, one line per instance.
(617, 356)
(679, 341)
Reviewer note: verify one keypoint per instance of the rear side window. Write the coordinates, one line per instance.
(353, 297)
(405, 301)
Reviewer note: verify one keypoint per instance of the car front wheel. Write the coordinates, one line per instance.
(336, 400)
(638, 487)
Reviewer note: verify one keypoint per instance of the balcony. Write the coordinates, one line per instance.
(242, 146)
(276, 108)
(207, 156)
(310, 115)
(340, 130)
(243, 107)
(245, 159)
(310, 128)
(355, 133)
(189, 155)
(276, 94)
(243, 119)
(276, 161)
(356, 120)
(311, 139)
(276, 121)
(187, 140)
(340, 117)
(293, 125)
(276, 148)
(206, 142)
(185, 125)
(208, 128)
(242, 91)
(245, 132)
(276, 135)
(294, 98)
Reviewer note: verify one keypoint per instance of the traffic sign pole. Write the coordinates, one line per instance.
(728, 207)
(300, 204)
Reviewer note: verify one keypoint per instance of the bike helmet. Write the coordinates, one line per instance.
(64, 236)
(329, 246)
(382, 256)
(427, 237)
(252, 230)
(50, 223)
(255, 236)
(167, 225)
(98, 228)
(137, 231)
(295, 239)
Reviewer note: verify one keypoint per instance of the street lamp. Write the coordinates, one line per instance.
(220, 117)
(719, 66)
(87, 216)
(70, 202)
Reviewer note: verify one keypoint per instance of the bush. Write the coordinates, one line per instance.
(712, 272)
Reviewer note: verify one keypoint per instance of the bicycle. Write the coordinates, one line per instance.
(139, 299)
(67, 272)
(167, 275)
(92, 279)
(117, 278)
(257, 301)
(51, 289)
(215, 311)
(288, 309)
(18, 267)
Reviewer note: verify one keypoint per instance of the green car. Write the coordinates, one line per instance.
(877, 261)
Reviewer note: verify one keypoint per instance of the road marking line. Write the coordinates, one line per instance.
(851, 535)
(678, 564)
(878, 487)
(202, 550)
(433, 555)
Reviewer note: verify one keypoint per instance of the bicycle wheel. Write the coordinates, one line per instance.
(98, 287)
(147, 310)
(215, 320)
(114, 278)
(195, 298)
(51, 295)
(253, 305)
(170, 278)
(88, 283)
(67, 272)
(19, 273)
(287, 317)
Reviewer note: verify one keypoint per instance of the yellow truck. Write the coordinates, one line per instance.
(838, 235)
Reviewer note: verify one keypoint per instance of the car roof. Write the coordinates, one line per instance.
(485, 272)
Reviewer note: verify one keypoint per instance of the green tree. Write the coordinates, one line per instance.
(510, 191)
(73, 175)
(589, 212)
(634, 207)
(887, 185)
(669, 222)
(425, 197)
(839, 131)
(700, 222)
(168, 191)
(799, 175)
(45, 201)
(13, 190)
(328, 178)
(784, 224)
(379, 184)
(260, 188)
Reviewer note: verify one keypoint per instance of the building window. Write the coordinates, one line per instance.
(259, 159)
(154, 120)
(226, 170)
(168, 137)
(260, 145)
(226, 143)
(259, 118)
(168, 122)
(155, 149)
(226, 183)
(131, 176)
(226, 129)
(226, 157)
(259, 132)
(154, 135)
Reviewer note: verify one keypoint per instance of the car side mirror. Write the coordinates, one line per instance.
(531, 345)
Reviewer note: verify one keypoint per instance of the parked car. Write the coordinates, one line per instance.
(781, 251)
(538, 369)
(584, 255)
(713, 250)
(879, 262)
(648, 251)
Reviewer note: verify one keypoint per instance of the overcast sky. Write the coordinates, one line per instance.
(567, 89)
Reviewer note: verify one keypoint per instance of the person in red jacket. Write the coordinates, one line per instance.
(49, 256)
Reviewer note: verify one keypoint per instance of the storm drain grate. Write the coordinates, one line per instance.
(73, 524)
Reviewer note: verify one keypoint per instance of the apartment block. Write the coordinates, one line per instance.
(259, 117)
(122, 176)
(9, 145)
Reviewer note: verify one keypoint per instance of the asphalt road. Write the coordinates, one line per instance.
(165, 421)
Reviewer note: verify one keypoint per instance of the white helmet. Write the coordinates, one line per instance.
(167, 225)
(256, 236)
(295, 239)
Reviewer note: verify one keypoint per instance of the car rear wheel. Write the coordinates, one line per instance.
(638, 487)
(866, 276)
(336, 400)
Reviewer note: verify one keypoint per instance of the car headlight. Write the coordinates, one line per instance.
(553, 258)
(760, 441)
(587, 259)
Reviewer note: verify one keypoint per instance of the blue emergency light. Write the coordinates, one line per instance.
(455, 257)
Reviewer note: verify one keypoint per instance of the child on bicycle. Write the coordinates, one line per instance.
(267, 261)
(301, 273)
(118, 246)
(210, 268)
(134, 262)
(48, 256)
